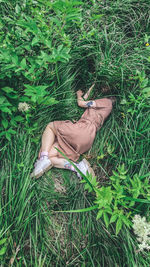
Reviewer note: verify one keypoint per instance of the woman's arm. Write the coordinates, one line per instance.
(88, 92)
(82, 103)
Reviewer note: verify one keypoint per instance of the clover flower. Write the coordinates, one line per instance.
(142, 230)
(23, 106)
(147, 44)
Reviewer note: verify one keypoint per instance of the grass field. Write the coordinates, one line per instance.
(48, 51)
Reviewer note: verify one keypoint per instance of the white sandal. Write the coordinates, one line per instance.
(41, 166)
(84, 166)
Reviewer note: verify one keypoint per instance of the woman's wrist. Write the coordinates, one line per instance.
(80, 98)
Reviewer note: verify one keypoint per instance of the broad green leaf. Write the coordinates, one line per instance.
(87, 187)
(113, 178)
(116, 173)
(17, 9)
(15, 59)
(34, 98)
(142, 74)
(106, 219)
(113, 218)
(50, 101)
(56, 21)
(144, 83)
(123, 102)
(39, 99)
(49, 43)
(132, 203)
(2, 241)
(59, 48)
(8, 136)
(146, 90)
(27, 47)
(36, 88)
(35, 41)
(17, 70)
(126, 220)
(146, 175)
(104, 196)
(18, 118)
(75, 17)
(12, 96)
(5, 123)
(7, 110)
(148, 59)
(99, 214)
(10, 130)
(2, 99)
(3, 251)
(24, 99)
(118, 226)
(2, 133)
(122, 170)
(13, 123)
(23, 63)
(108, 210)
(8, 90)
(30, 25)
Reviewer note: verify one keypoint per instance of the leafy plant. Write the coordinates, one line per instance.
(8, 103)
(117, 202)
(136, 102)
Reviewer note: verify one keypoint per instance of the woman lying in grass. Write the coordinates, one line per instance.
(73, 139)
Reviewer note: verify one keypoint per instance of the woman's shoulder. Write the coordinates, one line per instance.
(103, 103)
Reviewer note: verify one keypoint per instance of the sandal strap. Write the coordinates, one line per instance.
(44, 153)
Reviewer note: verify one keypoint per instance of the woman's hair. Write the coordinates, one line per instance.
(113, 99)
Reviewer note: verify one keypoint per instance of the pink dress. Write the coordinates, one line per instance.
(77, 138)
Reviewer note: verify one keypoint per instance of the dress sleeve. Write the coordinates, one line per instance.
(104, 103)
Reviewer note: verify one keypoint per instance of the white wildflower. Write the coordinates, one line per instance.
(142, 230)
(23, 106)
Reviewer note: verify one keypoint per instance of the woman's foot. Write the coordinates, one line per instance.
(84, 166)
(41, 166)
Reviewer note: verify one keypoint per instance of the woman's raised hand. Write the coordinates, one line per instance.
(79, 93)
(88, 92)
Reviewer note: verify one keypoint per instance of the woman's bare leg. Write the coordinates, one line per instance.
(83, 166)
(48, 138)
(60, 162)
(44, 163)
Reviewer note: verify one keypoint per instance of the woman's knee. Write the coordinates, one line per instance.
(53, 151)
(51, 126)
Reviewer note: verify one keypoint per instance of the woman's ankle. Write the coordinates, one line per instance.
(44, 154)
(70, 167)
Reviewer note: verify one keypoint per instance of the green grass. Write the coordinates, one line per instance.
(31, 222)
(107, 50)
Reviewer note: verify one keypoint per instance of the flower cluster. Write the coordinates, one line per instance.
(142, 230)
(23, 106)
